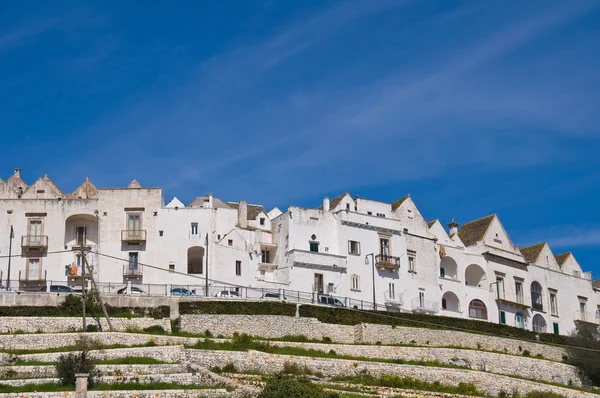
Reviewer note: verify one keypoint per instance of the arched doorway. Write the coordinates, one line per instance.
(477, 309)
(539, 324)
(195, 256)
(537, 302)
(448, 268)
(474, 275)
(450, 302)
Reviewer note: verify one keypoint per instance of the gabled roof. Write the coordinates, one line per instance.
(87, 190)
(596, 284)
(399, 202)
(335, 201)
(532, 253)
(430, 223)
(253, 210)
(561, 258)
(15, 182)
(199, 202)
(134, 184)
(175, 203)
(52, 185)
(474, 231)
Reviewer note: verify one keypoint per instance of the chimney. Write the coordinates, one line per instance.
(18, 173)
(453, 227)
(326, 204)
(243, 214)
(210, 200)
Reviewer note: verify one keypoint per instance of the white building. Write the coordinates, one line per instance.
(355, 250)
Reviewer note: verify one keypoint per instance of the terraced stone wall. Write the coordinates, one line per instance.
(72, 324)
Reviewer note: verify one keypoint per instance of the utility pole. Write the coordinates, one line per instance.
(97, 293)
(12, 235)
(206, 273)
(83, 320)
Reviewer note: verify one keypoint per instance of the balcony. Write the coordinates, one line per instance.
(133, 236)
(385, 262)
(393, 299)
(308, 259)
(512, 300)
(425, 306)
(32, 276)
(132, 271)
(34, 242)
(587, 318)
(75, 274)
(370, 222)
(267, 266)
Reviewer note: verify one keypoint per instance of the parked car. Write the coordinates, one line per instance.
(228, 294)
(328, 300)
(57, 289)
(4, 288)
(182, 292)
(273, 296)
(134, 290)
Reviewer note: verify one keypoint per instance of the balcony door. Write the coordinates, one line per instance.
(318, 285)
(33, 269)
(34, 233)
(384, 248)
(134, 225)
(133, 263)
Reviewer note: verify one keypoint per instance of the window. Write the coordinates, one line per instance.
(238, 267)
(392, 290)
(314, 247)
(355, 280)
(318, 283)
(520, 321)
(539, 324)
(133, 263)
(134, 221)
(444, 304)
(194, 228)
(347, 206)
(160, 233)
(262, 221)
(353, 247)
(477, 309)
(171, 267)
(519, 292)
(34, 233)
(536, 297)
(503, 317)
(384, 247)
(34, 270)
(500, 287)
(555, 328)
(80, 235)
(219, 237)
(411, 264)
(265, 257)
(381, 215)
(553, 304)
(422, 299)
(230, 242)
(330, 288)
(583, 310)
(369, 213)
(442, 272)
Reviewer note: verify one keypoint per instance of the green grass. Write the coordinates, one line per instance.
(20, 362)
(131, 361)
(150, 386)
(46, 387)
(73, 348)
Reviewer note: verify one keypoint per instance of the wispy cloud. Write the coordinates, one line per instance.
(568, 236)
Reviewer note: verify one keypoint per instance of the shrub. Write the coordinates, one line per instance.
(71, 364)
(237, 308)
(284, 386)
(526, 353)
(92, 328)
(155, 329)
(543, 394)
(586, 359)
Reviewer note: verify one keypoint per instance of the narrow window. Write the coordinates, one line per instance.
(160, 233)
(238, 267)
(519, 292)
(555, 325)
(381, 215)
(34, 233)
(444, 304)
(265, 257)
(369, 213)
(422, 299)
(318, 283)
(500, 287)
(503, 317)
(355, 282)
(442, 272)
(411, 264)
(353, 247)
(194, 228)
(230, 242)
(171, 267)
(133, 263)
(314, 247)
(34, 270)
(384, 248)
(347, 206)
(553, 304)
(80, 235)
(392, 290)
(262, 221)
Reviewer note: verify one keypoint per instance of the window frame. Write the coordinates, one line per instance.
(355, 283)
(194, 228)
(355, 252)
(476, 308)
(553, 302)
(313, 244)
(238, 267)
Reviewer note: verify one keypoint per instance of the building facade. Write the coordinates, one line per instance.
(350, 251)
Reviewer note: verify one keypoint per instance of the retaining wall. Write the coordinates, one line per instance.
(73, 324)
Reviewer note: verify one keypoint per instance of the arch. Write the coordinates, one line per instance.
(81, 229)
(195, 257)
(477, 309)
(520, 320)
(539, 324)
(474, 275)
(450, 302)
(448, 268)
(537, 301)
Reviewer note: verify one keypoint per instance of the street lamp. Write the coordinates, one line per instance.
(367, 263)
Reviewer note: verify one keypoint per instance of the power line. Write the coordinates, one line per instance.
(45, 253)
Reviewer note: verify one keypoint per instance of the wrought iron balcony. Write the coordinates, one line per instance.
(133, 236)
(425, 306)
(34, 242)
(385, 262)
(132, 271)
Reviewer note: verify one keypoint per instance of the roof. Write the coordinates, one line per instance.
(596, 284)
(253, 210)
(52, 185)
(335, 201)
(561, 258)
(134, 184)
(399, 202)
(531, 253)
(430, 223)
(199, 202)
(474, 231)
(87, 190)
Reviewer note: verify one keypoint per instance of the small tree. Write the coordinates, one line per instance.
(587, 358)
(70, 364)
(290, 387)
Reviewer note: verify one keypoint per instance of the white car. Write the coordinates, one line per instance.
(228, 294)
(273, 296)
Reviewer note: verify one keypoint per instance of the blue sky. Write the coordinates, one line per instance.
(474, 107)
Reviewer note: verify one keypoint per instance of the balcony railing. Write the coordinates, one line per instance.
(267, 266)
(32, 276)
(390, 263)
(133, 235)
(303, 258)
(587, 317)
(33, 242)
(132, 271)
(512, 299)
(426, 306)
(393, 298)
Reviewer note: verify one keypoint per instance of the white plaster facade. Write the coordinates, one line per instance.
(355, 250)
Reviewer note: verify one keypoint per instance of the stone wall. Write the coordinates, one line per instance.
(171, 354)
(210, 393)
(266, 326)
(73, 324)
(488, 383)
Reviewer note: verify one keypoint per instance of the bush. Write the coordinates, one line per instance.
(155, 329)
(543, 394)
(71, 364)
(586, 359)
(284, 386)
(236, 308)
(92, 328)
